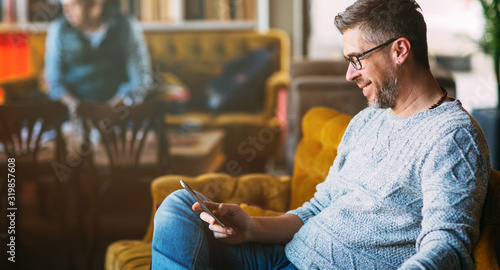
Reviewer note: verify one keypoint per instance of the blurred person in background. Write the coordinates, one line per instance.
(95, 53)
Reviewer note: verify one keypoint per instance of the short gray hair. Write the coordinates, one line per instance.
(381, 20)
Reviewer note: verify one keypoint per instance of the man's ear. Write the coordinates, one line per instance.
(402, 48)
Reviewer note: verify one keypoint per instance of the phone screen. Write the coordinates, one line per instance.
(198, 199)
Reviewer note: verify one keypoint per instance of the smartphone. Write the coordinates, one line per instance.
(198, 199)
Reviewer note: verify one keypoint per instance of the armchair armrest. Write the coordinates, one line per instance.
(262, 189)
(216, 186)
(278, 80)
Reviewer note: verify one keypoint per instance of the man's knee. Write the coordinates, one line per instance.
(176, 202)
(177, 199)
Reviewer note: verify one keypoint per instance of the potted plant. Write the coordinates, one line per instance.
(489, 119)
(491, 37)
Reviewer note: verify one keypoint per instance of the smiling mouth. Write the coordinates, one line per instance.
(364, 86)
(362, 82)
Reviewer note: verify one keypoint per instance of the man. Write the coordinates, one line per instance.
(405, 190)
(94, 53)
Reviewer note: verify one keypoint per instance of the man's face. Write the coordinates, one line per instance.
(376, 77)
(74, 11)
(78, 14)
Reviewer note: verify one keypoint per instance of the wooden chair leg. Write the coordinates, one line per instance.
(64, 207)
(93, 223)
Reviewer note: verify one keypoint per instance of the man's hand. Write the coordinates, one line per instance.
(240, 227)
(238, 222)
(70, 102)
(116, 102)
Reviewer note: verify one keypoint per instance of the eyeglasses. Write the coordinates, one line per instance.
(354, 59)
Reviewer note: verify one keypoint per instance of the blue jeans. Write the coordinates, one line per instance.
(181, 240)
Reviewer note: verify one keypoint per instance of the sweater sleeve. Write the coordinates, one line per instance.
(138, 65)
(320, 200)
(454, 180)
(53, 71)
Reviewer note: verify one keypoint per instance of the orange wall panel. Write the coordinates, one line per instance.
(14, 56)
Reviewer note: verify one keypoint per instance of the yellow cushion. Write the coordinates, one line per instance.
(487, 251)
(129, 254)
(323, 129)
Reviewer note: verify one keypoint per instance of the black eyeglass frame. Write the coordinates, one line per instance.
(354, 59)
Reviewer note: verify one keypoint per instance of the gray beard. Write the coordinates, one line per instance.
(386, 97)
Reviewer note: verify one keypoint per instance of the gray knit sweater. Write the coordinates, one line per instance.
(403, 192)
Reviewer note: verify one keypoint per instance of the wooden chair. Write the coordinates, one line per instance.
(24, 127)
(132, 151)
(124, 132)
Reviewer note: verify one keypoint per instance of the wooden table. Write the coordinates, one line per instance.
(197, 153)
(191, 154)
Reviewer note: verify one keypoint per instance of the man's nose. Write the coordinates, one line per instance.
(351, 73)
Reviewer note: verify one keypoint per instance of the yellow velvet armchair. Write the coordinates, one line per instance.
(323, 129)
(196, 57)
